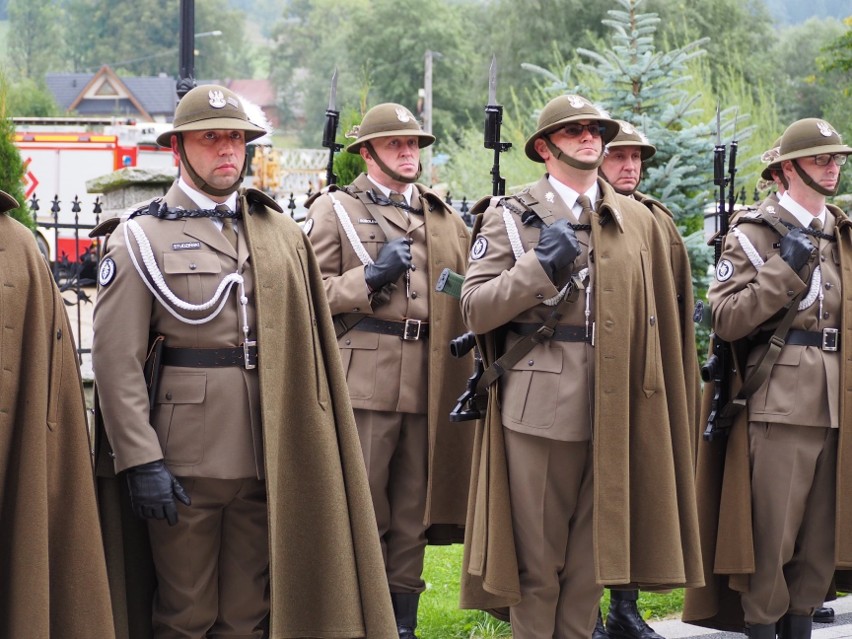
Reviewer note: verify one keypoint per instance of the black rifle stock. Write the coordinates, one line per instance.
(719, 366)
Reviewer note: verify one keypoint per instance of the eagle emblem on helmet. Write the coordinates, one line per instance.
(825, 128)
(216, 99)
(576, 101)
(627, 129)
(402, 115)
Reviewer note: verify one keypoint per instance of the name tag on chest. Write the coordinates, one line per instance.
(186, 246)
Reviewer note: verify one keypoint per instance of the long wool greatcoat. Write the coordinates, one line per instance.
(645, 519)
(724, 478)
(396, 379)
(53, 579)
(327, 577)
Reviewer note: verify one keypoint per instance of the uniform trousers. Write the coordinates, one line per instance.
(793, 487)
(213, 566)
(395, 447)
(551, 487)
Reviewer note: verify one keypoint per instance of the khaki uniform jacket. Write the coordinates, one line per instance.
(324, 547)
(383, 372)
(638, 387)
(799, 379)
(53, 578)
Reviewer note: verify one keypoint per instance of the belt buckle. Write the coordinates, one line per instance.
(830, 337)
(249, 358)
(411, 331)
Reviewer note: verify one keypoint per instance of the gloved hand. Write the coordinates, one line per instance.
(391, 262)
(152, 492)
(557, 247)
(796, 249)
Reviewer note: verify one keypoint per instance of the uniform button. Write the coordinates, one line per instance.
(348, 342)
(822, 258)
(825, 315)
(59, 333)
(169, 395)
(193, 266)
(790, 293)
(652, 321)
(372, 236)
(539, 296)
(357, 309)
(530, 362)
(827, 285)
(414, 295)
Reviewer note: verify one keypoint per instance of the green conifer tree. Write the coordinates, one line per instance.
(11, 166)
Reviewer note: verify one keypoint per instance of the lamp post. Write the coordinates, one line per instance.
(426, 155)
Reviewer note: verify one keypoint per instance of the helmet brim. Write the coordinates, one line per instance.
(812, 151)
(252, 131)
(426, 139)
(610, 131)
(7, 202)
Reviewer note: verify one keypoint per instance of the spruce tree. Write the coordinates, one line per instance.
(11, 166)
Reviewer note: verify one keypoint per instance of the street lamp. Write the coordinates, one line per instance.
(426, 156)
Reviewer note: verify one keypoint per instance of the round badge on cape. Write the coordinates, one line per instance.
(724, 270)
(107, 272)
(308, 227)
(480, 246)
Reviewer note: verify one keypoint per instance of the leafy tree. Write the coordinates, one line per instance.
(28, 98)
(34, 37)
(11, 166)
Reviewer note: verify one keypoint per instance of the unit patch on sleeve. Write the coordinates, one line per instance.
(106, 272)
(724, 270)
(480, 246)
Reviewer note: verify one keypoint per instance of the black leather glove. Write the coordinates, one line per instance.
(557, 247)
(796, 249)
(392, 261)
(152, 491)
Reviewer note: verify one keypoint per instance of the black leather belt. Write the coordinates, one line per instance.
(828, 339)
(562, 332)
(409, 330)
(245, 356)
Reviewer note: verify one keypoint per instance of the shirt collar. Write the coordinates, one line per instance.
(569, 195)
(202, 201)
(802, 215)
(386, 191)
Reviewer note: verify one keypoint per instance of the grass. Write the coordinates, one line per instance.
(440, 617)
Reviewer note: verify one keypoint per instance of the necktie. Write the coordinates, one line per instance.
(586, 204)
(397, 198)
(816, 225)
(228, 229)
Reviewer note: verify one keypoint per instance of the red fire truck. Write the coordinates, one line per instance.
(61, 154)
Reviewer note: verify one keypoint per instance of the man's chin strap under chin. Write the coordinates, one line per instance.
(807, 179)
(557, 153)
(201, 184)
(391, 173)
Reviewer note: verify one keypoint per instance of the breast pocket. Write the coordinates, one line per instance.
(778, 394)
(531, 387)
(192, 275)
(179, 416)
(359, 353)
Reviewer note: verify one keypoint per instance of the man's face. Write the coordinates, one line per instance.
(826, 176)
(578, 142)
(217, 155)
(622, 167)
(399, 153)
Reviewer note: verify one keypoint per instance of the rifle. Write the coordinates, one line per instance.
(329, 134)
(720, 365)
(471, 404)
(493, 124)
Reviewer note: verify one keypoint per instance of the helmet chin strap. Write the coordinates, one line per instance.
(200, 183)
(557, 153)
(390, 172)
(807, 179)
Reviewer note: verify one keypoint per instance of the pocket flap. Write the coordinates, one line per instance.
(547, 359)
(191, 262)
(182, 388)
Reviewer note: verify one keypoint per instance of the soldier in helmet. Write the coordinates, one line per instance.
(624, 160)
(588, 416)
(382, 243)
(780, 296)
(257, 519)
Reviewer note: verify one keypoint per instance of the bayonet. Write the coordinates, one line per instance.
(329, 134)
(493, 123)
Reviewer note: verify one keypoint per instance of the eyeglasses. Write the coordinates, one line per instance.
(575, 130)
(823, 160)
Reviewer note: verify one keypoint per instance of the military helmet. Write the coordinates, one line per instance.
(629, 136)
(211, 106)
(809, 137)
(562, 110)
(386, 120)
(7, 202)
(770, 158)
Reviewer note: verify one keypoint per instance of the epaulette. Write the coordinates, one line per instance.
(649, 202)
(483, 203)
(254, 196)
(106, 227)
(435, 201)
(331, 188)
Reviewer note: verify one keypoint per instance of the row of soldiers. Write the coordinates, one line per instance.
(275, 450)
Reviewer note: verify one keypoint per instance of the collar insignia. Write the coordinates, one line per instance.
(549, 197)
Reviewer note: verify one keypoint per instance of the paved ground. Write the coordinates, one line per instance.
(842, 626)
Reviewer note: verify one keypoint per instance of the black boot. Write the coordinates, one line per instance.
(624, 620)
(824, 614)
(795, 627)
(599, 632)
(405, 612)
(761, 631)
